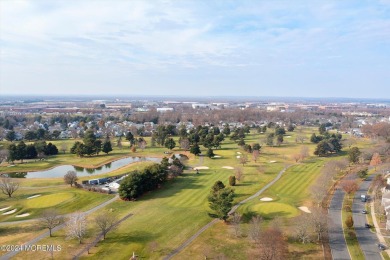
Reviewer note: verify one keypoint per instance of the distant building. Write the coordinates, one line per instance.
(164, 109)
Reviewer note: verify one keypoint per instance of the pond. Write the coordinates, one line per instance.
(60, 171)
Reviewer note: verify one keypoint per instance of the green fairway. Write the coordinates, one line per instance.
(63, 198)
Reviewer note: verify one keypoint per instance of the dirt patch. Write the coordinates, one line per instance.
(201, 168)
(22, 215)
(266, 199)
(304, 209)
(31, 197)
(9, 212)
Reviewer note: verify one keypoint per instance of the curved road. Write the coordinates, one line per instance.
(337, 242)
(368, 240)
(46, 234)
(200, 231)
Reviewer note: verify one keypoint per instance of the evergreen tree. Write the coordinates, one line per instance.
(195, 149)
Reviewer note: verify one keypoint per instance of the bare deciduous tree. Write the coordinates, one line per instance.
(319, 223)
(142, 145)
(3, 155)
(50, 219)
(271, 245)
(300, 138)
(70, 177)
(105, 222)
(243, 159)
(236, 220)
(349, 186)
(296, 157)
(255, 228)
(302, 228)
(319, 191)
(64, 147)
(8, 186)
(255, 154)
(304, 152)
(239, 174)
(76, 226)
(185, 144)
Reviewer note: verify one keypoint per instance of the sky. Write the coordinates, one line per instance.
(196, 48)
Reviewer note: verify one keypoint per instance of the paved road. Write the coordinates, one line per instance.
(46, 234)
(368, 240)
(200, 231)
(337, 242)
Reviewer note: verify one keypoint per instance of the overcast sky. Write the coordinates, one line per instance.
(196, 48)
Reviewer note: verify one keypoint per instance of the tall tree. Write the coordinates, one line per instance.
(170, 143)
(221, 202)
(130, 138)
(195, 149)
(375, 160)
(354, 154)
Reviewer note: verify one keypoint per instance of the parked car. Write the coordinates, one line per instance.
(364, 211)
(381, 246)
(367, 225)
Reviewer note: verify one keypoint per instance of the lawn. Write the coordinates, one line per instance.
(167, 217)
(63, 198)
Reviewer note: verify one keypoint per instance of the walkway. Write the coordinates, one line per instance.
(200, 231)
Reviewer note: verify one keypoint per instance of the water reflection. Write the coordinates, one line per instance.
(60, 171)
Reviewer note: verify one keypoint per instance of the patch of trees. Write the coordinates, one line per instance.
(328, 144)
(140, 181)
(91, 145)
(22, 151)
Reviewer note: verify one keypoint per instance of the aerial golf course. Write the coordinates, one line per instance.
(163, 219)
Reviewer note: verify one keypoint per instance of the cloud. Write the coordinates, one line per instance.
(195, 38)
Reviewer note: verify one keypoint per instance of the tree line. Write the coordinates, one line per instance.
(39, 149)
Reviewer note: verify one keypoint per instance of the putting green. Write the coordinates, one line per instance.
(274, 209)
(48, 200)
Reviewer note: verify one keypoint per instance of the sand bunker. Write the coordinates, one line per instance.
(22, 215)
(238, 152)
(238, 157)
(304, 209)
(266, 199)
(217, 156)
(228, 167)
(201, 168)
(31, 197)
(9, 212)
(272, 161)
(288, 136)
(5, 208)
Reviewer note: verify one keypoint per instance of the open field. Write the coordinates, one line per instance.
(163, 219)
(63, 198)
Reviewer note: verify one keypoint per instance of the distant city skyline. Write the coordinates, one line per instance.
(196, 48)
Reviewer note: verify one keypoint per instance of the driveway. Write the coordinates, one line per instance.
(368, 240)
(337, 242)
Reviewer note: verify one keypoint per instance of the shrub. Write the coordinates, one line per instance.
(349, 222)
(232, 180)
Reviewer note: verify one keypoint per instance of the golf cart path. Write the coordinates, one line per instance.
(234, 208)
(46, 234)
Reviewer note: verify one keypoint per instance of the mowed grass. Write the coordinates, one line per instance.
(63, 198)
(172, 214)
